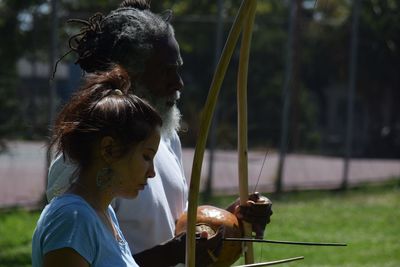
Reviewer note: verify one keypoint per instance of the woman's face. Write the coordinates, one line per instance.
(132, 170)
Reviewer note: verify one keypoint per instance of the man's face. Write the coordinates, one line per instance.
(161, 83)
(161, 75)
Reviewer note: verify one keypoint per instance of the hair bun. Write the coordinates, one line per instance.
(118, 92)
(138, 4)
(119, 79)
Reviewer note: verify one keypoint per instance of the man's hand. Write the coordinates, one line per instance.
(173, 251)
(257, 211)
(208, 248)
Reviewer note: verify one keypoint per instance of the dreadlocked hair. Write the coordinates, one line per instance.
(126, 36)
(85, 44)
(139, 4)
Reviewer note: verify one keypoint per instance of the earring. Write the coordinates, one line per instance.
(104, 177)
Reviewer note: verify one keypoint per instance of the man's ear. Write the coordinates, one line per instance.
(107, 149)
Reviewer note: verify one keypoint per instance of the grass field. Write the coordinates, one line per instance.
(16, 228)
(367, 219)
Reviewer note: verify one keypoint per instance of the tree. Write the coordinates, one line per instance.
(12, 45)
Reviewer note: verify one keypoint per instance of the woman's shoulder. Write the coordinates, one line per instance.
(66, 216)
(68, 221)
(69, 205)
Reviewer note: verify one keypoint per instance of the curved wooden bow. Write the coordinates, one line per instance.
(242, 123)
(244, 20)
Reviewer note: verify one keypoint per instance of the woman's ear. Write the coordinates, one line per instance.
(107, 149)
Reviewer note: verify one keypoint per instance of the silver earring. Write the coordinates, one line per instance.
(103, 177)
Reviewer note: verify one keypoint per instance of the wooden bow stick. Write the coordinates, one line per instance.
(301, 243)
(246, 10)
(242, 124)
(269, 263)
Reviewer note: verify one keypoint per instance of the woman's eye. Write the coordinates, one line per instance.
(146, 157)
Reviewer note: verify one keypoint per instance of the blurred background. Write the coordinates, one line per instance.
(323, 92)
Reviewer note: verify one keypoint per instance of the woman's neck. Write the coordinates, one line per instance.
(98, 199)
(85, 186)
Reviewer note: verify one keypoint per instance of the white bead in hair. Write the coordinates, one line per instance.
(118, 92)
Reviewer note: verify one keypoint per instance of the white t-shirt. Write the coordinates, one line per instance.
(149, 219)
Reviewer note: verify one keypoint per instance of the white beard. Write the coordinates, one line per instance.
(170, 115)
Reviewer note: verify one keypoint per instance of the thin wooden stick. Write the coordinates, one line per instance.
(242, 122)
(233, 239)
(269, 263)
(204, 128)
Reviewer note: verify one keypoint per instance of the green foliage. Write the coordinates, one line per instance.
(323, 58)
(9, 49)
(16, 229)
(379, 64)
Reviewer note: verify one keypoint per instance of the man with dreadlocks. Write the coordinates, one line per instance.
(144, 44)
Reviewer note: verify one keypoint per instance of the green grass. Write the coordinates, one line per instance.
(367, 219)
(16, 228)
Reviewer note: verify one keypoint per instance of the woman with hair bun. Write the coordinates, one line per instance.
(112, 136)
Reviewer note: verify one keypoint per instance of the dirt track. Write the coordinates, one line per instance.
(23, 172)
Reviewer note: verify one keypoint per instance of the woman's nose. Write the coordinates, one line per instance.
(151, 172)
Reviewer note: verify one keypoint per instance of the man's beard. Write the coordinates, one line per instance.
(166, 107)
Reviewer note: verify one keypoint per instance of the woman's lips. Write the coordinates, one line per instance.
(142, 186)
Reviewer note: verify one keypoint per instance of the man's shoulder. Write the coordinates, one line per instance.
(59, 163)
(175, 139)
(60, 176)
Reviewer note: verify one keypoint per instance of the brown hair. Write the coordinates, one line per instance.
(102, 107)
